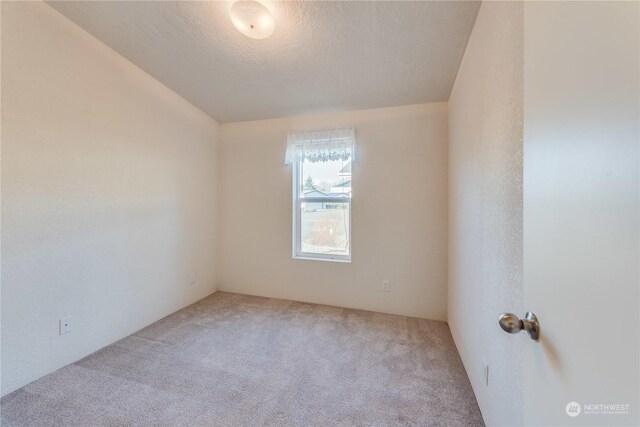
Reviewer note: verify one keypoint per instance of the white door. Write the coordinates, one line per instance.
(581, 212)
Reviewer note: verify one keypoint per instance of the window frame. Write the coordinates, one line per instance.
(298, 253)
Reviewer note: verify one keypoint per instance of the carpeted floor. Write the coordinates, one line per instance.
(236, 360)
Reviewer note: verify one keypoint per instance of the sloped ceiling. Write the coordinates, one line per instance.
(323, 56)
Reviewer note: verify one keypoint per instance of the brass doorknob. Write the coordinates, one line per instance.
(512, 324)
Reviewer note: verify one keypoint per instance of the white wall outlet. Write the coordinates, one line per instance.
(65, 325)
(386, 285)
(485, 372)
(194, 278)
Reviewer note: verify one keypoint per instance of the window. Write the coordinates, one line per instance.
(322, 164)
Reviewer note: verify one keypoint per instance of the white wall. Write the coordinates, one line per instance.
(399, 213)
(108, 195)
(485, 209)
(582, 209)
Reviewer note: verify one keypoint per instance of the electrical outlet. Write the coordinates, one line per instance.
(193, 278)
(485, 372)
(386, 285)
(65, 325)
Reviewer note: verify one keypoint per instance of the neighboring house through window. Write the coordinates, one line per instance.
(322, 163)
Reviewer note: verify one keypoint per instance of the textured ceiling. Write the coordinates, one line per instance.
(323, 56)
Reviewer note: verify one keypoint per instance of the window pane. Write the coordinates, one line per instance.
(325, 179)
(325, 227)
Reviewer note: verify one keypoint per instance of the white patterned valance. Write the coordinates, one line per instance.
(321, 146)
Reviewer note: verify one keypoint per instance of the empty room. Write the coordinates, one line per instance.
(320, 213)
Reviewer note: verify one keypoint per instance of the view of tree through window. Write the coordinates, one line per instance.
(324, 197)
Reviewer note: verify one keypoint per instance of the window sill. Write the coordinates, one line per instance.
(312, 258)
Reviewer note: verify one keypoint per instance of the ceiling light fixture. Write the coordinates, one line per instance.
(252, 19)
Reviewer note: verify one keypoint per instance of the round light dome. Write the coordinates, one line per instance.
(252, 19)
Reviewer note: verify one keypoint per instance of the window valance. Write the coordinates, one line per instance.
(321, 146)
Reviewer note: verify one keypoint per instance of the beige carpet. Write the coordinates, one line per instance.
(236, 360)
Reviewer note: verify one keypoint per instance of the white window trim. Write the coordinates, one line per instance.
(297, 215)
